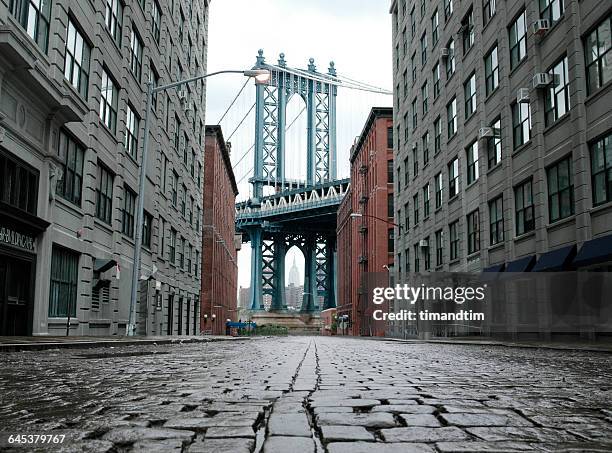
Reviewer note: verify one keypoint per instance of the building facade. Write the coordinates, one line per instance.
(72, 106)
(502, 147)
(219, 242)
(365, 223)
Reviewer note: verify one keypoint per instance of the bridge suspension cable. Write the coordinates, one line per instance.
(233, 101)
(240, 123)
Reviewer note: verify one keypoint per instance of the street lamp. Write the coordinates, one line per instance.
(262, 76)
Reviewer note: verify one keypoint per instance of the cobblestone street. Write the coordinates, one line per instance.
(301, 394)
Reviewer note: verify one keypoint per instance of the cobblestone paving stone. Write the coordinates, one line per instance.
(301, 394)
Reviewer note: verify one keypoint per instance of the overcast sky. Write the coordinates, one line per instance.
(355, 34)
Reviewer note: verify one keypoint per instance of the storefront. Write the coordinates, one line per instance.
(19, 229)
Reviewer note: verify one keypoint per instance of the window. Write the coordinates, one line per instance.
(114, 19)
(416, 257)
(557, 98)
(192, 164)
(439, 188)
(415, 209)
(467, 31)
(177, 133)
(518, 40)
(437, 135)
(491, 71)
(405, 42)
(18, 183)
(406, 172)
(415, 161)
(196, 263)
(453, 233)
(427, 255)
(172, 246)
(33, 16)
(472, 162)
(494, 146)
(164, 173)
(390, 137)
(423, 8)
(405, 83)
(175, 179)
(154, 77)
(198, 217)
(72, 155)
(76, 61)
(453, 178)
(450, 60)
(448, 9)
(560, 190)
(436, 81)
(439, 249)
(189, 255)
(136, 55)
(426, 197)
(524, 211)
(469, 90)
(424, 49)
(413, 67)
(181, 253)
(390, 205)
(129, 209)
(521, 124)
(132, 125)
(390, 240)
(434, 28)
(64, 280)
(184, 201)
(109, 97)
(412, 22)
(390, 171)
(104, 195)
(414, 114)
(425, 141)
(156, 13)
(425, 98)
(162, 237)
(451, 117)
(406, 217)
(473, 226)
(488, 10)
(601, 170)
(597, 50)
(551, 10)
(147, 225)
(496, 220)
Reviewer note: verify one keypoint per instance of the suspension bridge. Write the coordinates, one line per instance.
(294, 186)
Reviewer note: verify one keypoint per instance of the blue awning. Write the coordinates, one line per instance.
(522, 264)
(495, 268)
(556, 260)
(595, 251)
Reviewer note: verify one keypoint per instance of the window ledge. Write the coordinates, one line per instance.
(601, 92)
(494, 247)
(472, 184)
(453, 198)
(474, 255)
(521, 148)
(494, 168)
(524, 236)
(451, 138)
(438, 210)
(77, 210)
(101, 224)
(559, 223)
(561, 120)
(467, 120)
(518, 66)
(453, 262)
(600, 207)
(491, 19)
(492, 93)
(107, 130)
(550, 31)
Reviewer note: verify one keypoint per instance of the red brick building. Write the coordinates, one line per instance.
(219, 257)
(365, 224)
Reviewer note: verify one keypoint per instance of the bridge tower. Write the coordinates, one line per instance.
(293, 212)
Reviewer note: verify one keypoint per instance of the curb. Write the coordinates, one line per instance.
(555, 347)
(89, 344)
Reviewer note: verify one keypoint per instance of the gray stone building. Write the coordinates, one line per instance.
(503, 122)
(72, 105)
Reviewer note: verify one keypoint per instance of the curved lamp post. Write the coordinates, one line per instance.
(261, 76)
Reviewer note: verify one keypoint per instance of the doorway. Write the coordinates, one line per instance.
(15, 296)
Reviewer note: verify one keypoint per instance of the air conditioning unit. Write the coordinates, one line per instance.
(485, 132)
(424, 243)
(445, 52)
(540, 27)
(542, 80)
(415, 145)
(522, 96)
(182, 95)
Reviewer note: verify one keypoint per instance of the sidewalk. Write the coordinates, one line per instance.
(605, 347)
(41, 343)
